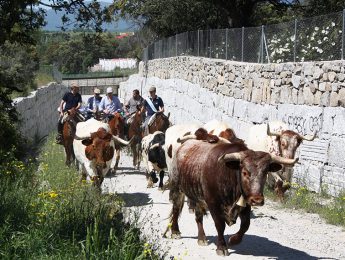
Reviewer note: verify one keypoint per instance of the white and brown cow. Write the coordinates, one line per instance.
(153, 154)
(94, 147)
(275, 138)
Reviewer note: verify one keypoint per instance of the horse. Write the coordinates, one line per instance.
(160, 122)
(70, 120)
(117, 128)
(135, 130)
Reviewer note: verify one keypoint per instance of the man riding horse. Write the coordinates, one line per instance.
(71, 101)
(154, 107)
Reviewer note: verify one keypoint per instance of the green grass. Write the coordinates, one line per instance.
(47, 213)
(331, 209)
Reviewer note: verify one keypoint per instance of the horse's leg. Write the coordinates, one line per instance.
(134, 154)
(138, 148)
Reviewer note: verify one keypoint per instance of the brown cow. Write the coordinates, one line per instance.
(215, 176)
(117, 128)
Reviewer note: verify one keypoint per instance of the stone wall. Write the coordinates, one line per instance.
(306, 96)
(38, 112)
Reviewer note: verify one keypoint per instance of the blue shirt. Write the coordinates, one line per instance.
(110, 105)
(157, 102)
(92, 102)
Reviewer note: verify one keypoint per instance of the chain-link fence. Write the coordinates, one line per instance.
(311, 39)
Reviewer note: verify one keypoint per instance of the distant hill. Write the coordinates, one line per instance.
(53, 19)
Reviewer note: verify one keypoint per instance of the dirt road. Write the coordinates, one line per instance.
(273, 234)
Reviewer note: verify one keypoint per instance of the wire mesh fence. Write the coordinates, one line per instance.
(310, 39)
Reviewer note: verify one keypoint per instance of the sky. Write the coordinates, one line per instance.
(47, 2)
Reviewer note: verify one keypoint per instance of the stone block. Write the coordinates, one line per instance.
(308, 96)
(334, 99)
(257, 95)
(296, 81)
(332, 76)
(240, 109)
(337, 152)
(317, 98)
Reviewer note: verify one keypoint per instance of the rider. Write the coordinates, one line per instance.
(69, 101)
(110, 104)
(131, 106)
(151, 105)
(93, 103)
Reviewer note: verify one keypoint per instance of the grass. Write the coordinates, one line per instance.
(331, 209)
(41, 79)
(47, 213)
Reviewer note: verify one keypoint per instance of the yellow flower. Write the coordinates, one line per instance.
(169, 225)
(53, 194)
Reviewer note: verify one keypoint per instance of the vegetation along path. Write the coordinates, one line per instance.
(274, 233)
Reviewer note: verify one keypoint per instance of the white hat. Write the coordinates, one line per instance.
(109, 90)
(97, 91)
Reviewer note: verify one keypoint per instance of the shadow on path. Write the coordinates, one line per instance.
(135, 199)
(253, 245)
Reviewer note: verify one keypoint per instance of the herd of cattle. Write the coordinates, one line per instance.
(209, 164)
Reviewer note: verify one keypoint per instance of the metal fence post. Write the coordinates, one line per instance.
(242, 44)
(198, 43)
(295, 42)
(176, 45)
(262, 44)
(342, 38)
(226, 43)
(210, 33)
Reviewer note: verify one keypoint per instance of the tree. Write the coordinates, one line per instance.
(20, 21)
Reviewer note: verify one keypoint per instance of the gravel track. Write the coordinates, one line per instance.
(274, 233)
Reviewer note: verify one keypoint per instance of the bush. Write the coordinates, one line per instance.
(48, 213)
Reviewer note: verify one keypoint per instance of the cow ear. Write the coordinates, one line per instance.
(87, 142)
(234, 165)
(274, 167)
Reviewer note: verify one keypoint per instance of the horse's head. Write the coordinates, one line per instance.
(161, 122)
(117, 124)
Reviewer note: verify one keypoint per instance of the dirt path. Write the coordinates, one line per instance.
(273, 234)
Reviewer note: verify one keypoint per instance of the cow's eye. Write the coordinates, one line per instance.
(246, 173)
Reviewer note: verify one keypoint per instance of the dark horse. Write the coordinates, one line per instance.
(117, 128)
(135, 131)
(70, 121)
(160, 123)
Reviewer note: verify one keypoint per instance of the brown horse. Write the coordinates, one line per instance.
(70, 121)
(136, 132)
(160, 123)
(117, 128)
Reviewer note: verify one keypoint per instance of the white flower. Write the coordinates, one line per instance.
(325, 38)
(333, 43)
(333, 24)
(292, 38)
(312, 38)
(319, 41)
(316, 28)
(323, 31)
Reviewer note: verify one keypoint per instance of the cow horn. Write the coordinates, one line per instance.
(282, 160)
(308, 137)
(230, 157)
(271, 133)
(186, 138)
(154, 146)
(81, 137)
(121, 141)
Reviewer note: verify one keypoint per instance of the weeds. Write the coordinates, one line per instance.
(46, 212)
(332, 209)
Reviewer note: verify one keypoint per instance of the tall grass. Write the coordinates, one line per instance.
(47, 213)
(331, 209)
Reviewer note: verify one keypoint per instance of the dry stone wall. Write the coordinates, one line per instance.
(307, 96)
(38, 111)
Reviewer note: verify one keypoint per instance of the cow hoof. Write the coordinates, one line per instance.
(176, 236)
(235, 239)
(202, 242)
(191, 211)
(222, 252)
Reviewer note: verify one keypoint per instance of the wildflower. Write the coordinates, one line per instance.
(53, 194)
(333, 24)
